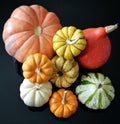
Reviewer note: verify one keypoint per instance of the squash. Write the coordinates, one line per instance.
(69, 42)
(37, 68)
(30, 30)
(63, 103)
(65, 72)
(35, 95)
(98, 49)
(95, 91)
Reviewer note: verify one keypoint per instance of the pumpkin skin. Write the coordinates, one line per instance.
(37, 68)
(63, 103)
(35, 95)
(29, 30)
(69, 42)
(95, 91)
(65, 72)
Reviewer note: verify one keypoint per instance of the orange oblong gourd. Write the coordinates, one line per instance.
(63, 103)
(30, 30)
(37, 68)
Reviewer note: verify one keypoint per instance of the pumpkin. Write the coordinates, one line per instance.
(98, 49)
(95, 91)
(65, 72)
(35, 95)
(69, 42)
(63, 103)
(29, 30)
(37, 68)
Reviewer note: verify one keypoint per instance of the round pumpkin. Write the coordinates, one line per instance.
(37, 68)
(69, 42)
(95, 91)
(63, 103)
(29, 30)
(65, 72)
(35, 95)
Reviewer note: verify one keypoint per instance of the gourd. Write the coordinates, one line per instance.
(29, 30)
(98, 49)
(65, 72)
(37, 68)
(63, 103)
(34, 94)
(69, 42)
(95, 91)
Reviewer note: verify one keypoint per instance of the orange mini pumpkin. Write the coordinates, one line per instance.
(29, 30)
(63, 103)
(37, 68)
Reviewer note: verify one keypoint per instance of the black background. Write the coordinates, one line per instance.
(82, 14)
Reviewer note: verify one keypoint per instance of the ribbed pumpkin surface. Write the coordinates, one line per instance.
(95, 91)
(30, 29)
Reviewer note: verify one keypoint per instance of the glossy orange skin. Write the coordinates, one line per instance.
(59, 109)
(30, 30)
(37, 68)
(98, 49)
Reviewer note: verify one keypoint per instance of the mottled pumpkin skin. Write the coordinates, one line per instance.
(65, 72)
(29, 30)
(95, 91)
(59, 109)
(37, 68)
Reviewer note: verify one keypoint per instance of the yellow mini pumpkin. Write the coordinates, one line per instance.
(65, 72)
(69, 42)
(37, 68)
(63, 103)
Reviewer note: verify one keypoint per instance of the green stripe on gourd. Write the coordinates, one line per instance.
(95, 91)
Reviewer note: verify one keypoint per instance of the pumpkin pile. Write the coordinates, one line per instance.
(52, 55)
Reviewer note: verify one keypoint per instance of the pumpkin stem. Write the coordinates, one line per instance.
(99, 86)
(71, 41)
(37, 70)
(111, 28)
(64, 97)
(38, 30)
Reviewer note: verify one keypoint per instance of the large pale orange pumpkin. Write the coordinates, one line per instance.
(29, 30)
(37, 68)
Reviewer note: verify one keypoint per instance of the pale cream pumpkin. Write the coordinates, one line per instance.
(34, 94)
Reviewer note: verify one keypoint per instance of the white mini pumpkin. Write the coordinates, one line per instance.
(95, 91)
(34, 94)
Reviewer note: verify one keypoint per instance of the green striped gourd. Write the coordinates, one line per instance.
(95, 91)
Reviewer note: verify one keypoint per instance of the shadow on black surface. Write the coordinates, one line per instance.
(86, 109)
(38, 109)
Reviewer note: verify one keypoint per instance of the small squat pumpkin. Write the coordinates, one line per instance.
(63, 103)
(35, 95)
(69, 42)
(65, 72)
(37, 68)
(95, 91)
(30, 30)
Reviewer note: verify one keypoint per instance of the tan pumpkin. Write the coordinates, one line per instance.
(69, 42)
(29, 30)
(63, 103)
(37, 68)
(65, 72)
